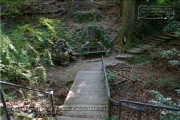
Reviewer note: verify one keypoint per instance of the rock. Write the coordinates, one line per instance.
(124, 56)
(62, 53)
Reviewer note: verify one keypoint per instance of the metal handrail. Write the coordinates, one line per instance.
(121, 103)
(27, 88)
(111, 100)
(4, 104)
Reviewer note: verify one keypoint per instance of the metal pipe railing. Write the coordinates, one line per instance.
(146, 105)
(107, 88)
(27, 88)
(122, 103)
(150, 105)
(4, 104)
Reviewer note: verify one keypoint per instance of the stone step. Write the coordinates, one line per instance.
(164, 37)
(85, 96)
(87, 93)
(74, 118)
(89, 79)
(82, 84)
(172, 35)
(76, 97)
(101, 101)
(124, 56)
(160, 40)
(87, 73)
(135, 50)
(152, 44)
(155, 43)
(86, 114)
(84, 107)
(93, 100)
(89, 88)
(144, 46)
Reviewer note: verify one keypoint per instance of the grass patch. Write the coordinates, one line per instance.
(112, 76)
(165, 82)
(169, 82)
(141, 59)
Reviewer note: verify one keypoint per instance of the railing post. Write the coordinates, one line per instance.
(52, 104)
(138, 115)
(109, 108)
(119, 110)
(4, 104)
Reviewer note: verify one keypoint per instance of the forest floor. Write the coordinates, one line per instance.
(154, 74)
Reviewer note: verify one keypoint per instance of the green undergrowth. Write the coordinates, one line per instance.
(25, 49)
(112, 76)
(141, 59)
(163, 83)
(161, 100)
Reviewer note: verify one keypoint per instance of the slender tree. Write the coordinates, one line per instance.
(70, 7)
(127, 23)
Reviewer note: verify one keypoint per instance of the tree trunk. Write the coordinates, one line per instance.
(127, 24)
(70, 7)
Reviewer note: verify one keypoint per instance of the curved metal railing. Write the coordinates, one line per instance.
(123, 103)
(27, 88)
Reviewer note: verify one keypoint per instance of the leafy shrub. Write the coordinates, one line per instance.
(169, 82)
(17, 62)
(25, 50)
(173, 26)
(165, 82)
(112, 76)
(172, 55)
(141, 59)
(14, 7)
(162, 101)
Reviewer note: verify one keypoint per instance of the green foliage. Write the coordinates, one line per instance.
(151, 81)
(2, 111)
(141, 59)
(173, 26)
(164, 1)
(117, 1)
(165, 82)
(13, 7)
(86, 16)
(171, 55)
(112, 76)
(17, 60)
(26, 49)
(82, 36)
(162, 101)
(169, 82)
(112, 118)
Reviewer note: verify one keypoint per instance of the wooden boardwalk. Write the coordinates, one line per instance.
(87, 98)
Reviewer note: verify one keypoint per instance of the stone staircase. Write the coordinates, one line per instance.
(161, 39)
(86, 99)
(148, 45)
